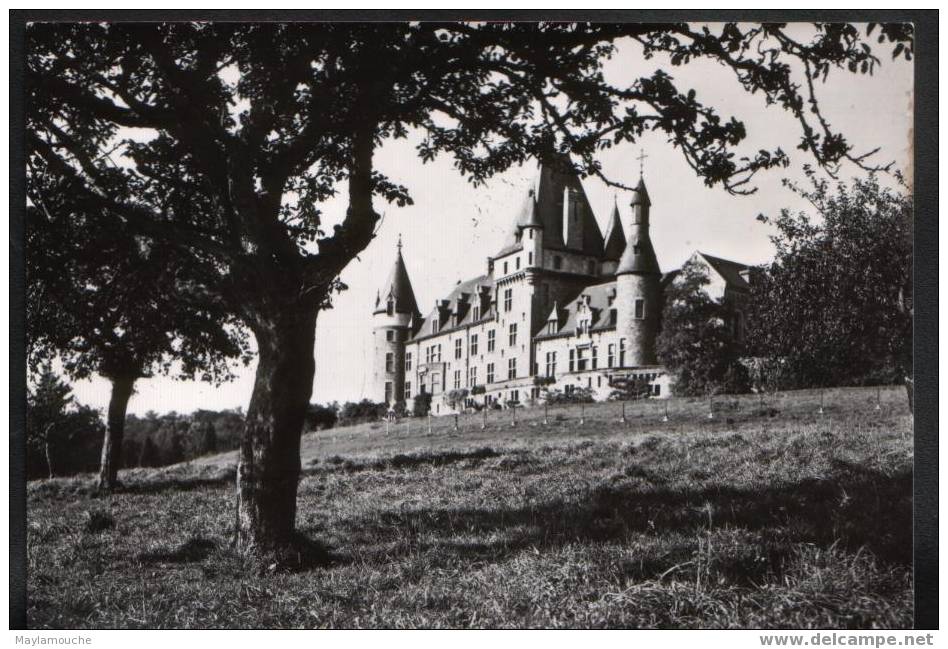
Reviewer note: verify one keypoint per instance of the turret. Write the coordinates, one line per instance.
(638, 286)
(396, 312)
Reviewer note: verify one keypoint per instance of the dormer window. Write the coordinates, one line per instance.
(390, 307)
(477, 313)
(551, 327)
(434, 326)
(637, 249)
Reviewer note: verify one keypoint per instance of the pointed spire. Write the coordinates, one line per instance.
(398, 287)
(615, 236)
(640, 195)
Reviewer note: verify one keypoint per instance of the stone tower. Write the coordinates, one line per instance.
(396, 312)
(638, 287)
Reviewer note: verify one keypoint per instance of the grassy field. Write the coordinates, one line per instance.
(769, 515)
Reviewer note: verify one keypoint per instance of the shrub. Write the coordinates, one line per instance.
(422, 404)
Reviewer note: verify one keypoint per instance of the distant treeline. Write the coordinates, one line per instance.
(153, 440)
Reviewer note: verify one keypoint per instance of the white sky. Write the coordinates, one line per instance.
(452, 227)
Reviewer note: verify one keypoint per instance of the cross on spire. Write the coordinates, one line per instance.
(641, 158)
(399, 243)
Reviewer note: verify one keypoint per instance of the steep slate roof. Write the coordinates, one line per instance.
(598, 303)
(545, 208)
(615, 236)
(470, 287)
(729, 270)
(398, 285)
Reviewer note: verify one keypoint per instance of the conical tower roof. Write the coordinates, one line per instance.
(615, 237)
(398, 288)
(639, 256)
(640, 195)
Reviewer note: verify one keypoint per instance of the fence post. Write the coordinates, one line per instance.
(665, 417)
(878, 398)
(429, 422)
(622, 420)
(387, 422)
(821, 401)
(455, 421)
(513, 409)
(582, 413)
(546, 421)
(710, 407)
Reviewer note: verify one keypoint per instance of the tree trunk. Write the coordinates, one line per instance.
(49, 461)
(269, 467)
(114, 432)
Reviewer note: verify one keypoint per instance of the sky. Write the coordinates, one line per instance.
(453, 226)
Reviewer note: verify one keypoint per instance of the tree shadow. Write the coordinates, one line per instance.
(858, 509)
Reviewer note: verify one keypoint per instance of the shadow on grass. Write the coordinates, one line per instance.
(857, 510)
(194, 550)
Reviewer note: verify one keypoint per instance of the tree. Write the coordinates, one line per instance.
(835, 304)
(56, 427)
(251, 126)
(695, 344)
(101, 300)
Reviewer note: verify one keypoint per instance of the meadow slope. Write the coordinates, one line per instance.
(768, 515)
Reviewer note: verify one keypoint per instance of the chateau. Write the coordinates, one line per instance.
(559, 300)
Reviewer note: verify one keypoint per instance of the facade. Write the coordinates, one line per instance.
(560, 300)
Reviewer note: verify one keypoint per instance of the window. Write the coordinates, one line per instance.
(657, 390)
(513, 334)
(428, 354)
(471, 377)
(438, 353)
(473, 345)
(557, 262)
(388, 392)
(551, 363)
(505, 268)
(595, 358)
(572, 360)
(534, 393)
(477, 313)
(517, 262)
(389, 362)
(408, 389)
(551, 327)
(622, 352)
(530, 254)
(407, 361)
(512, 368)
(530, 233)
(591, 267)
(435, 382)
(457, 379)
(515, 396)
(390, 335)
(390, 307)
(611, 359)
(639, 309)
(508, 299)
(490, 340)
(612, 317)
(434, 326)
(457, 348)
(581, 360)
(490, 372)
